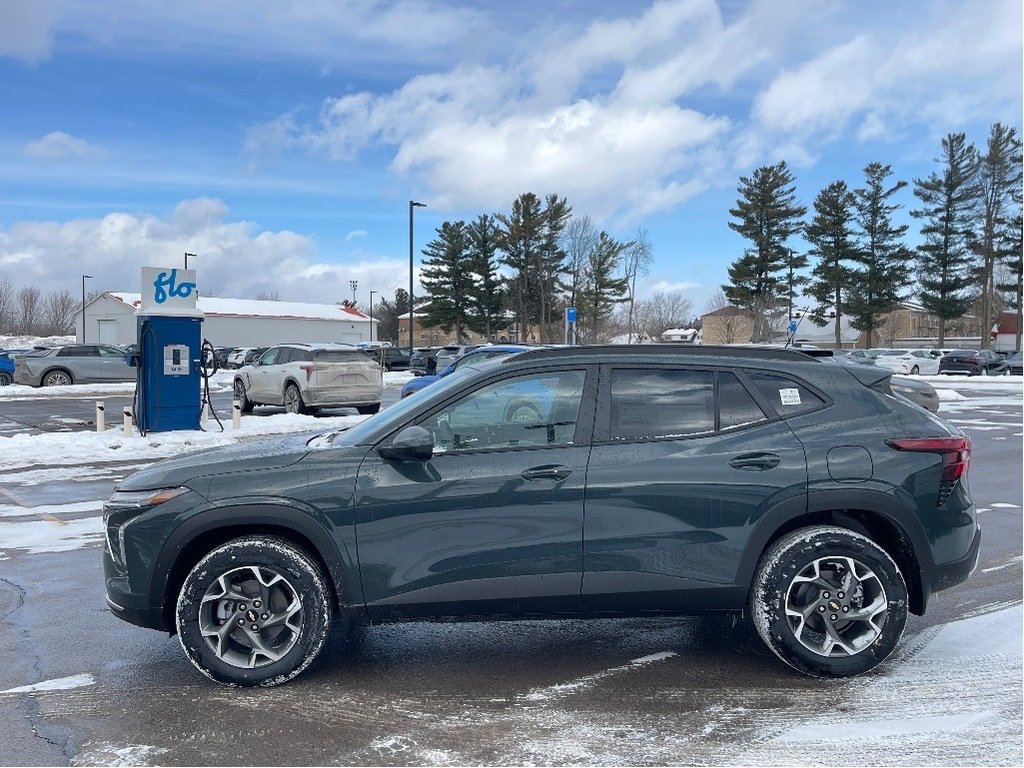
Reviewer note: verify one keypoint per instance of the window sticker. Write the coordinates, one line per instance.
(790, 396)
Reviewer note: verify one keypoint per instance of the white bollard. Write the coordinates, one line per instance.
(236, 415)
(101, 416)
(205, 413)
(127, 421)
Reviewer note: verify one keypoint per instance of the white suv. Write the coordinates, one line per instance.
(302, 377)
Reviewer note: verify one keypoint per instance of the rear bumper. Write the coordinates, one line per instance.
(328, 397)
(939, 576)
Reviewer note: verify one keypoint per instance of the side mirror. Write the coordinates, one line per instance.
(410, 444)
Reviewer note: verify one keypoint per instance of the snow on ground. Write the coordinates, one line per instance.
(27, 342)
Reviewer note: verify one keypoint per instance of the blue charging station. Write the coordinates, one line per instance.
(170, 337)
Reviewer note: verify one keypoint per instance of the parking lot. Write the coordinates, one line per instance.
(79, 687)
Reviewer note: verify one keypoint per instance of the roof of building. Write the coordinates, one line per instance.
(258, 308)
(726, 310)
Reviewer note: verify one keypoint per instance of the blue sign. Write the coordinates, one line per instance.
(792, 325)
(570, 314)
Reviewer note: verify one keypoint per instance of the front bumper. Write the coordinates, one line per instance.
(939, 576)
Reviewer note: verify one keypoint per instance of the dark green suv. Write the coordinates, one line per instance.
(581, 481)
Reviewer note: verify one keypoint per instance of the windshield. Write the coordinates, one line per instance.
(371, 429)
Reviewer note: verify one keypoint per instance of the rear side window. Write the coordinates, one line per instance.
(788, 397)
(661, 403)
(339, 356)
(736, 407)
(296, 355)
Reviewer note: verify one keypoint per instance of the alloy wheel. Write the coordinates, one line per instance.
(836, 606)
(250, 617)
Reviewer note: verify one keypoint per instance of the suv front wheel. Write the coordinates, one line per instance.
(829, 602)
(254, 611)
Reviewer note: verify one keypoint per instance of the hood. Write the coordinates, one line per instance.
(244, 457)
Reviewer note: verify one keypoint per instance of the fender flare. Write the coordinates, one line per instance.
(258, 515)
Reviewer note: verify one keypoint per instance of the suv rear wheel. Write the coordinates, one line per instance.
(829, 602)
(293, 400)
(254, 611)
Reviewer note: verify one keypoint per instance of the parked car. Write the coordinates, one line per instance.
(252, 355)
(858, 356)
(423, 361)
(451, 352)
(73, 364)
(802, 492)
(1014, 361)
(916, 391)
(302, 377)
(389, 358)
(221, 355)
(912, 361)
(236, 358)
(974, 362)
(486, 352)
(6, 369)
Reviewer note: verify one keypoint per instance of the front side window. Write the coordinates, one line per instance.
(80, 351)
(527, 412)
(661, 404)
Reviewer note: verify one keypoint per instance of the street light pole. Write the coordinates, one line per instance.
(353, 284)
(187, 254)
(412, 204)
(84, 278)
(371, 314)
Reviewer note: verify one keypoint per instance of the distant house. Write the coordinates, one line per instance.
(728, 325)
(682, 336)
(110, 319)
(1004, 332)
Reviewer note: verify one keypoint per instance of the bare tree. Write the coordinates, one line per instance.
(662, 311)
(28, 307)
(6, 304)
(264, 296)
(59, 313)
(578, 241)
(636, 260)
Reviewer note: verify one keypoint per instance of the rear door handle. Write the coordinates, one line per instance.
(546, 473)
(754, 462)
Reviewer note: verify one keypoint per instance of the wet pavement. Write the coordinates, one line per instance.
(700, 691)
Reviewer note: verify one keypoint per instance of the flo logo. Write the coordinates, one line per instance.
(168, 286)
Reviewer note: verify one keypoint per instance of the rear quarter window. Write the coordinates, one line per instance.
(787, 396)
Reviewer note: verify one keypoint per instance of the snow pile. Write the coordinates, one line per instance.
(25, 451)
(27, 342)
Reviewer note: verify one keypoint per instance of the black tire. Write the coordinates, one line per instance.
(368, 409)
(786, 602)
(915, 370)
(5, 379)
(270, 573)
(57, 378)
(241, 397)
(293, 400)
(523, 412)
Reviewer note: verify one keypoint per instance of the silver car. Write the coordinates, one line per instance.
(73, 364)
(304, 377)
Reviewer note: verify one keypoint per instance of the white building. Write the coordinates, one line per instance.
(110, 319)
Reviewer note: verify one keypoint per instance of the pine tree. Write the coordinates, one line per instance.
(999, 176)
(447, 279)
(602, 290)
(950, 214)
(487, 298)
(551, 258)
(521, 241)
(1010, 252)
(881, 270)
(830, 234)
(767, 214)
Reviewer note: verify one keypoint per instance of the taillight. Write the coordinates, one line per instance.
(308, 368)
(955, 452)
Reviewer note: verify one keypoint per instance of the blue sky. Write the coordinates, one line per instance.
(281, 141)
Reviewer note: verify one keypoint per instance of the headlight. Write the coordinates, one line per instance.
(140, 499)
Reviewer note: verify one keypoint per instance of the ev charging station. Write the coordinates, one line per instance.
(169, 359)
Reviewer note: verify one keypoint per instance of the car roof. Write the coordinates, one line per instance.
(667, 353)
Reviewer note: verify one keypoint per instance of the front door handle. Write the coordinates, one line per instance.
(552, 472)
(755, 462)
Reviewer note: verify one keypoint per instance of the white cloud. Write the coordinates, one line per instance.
(355, 234)
(26, 29)
(57, 144)
(234, 259)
